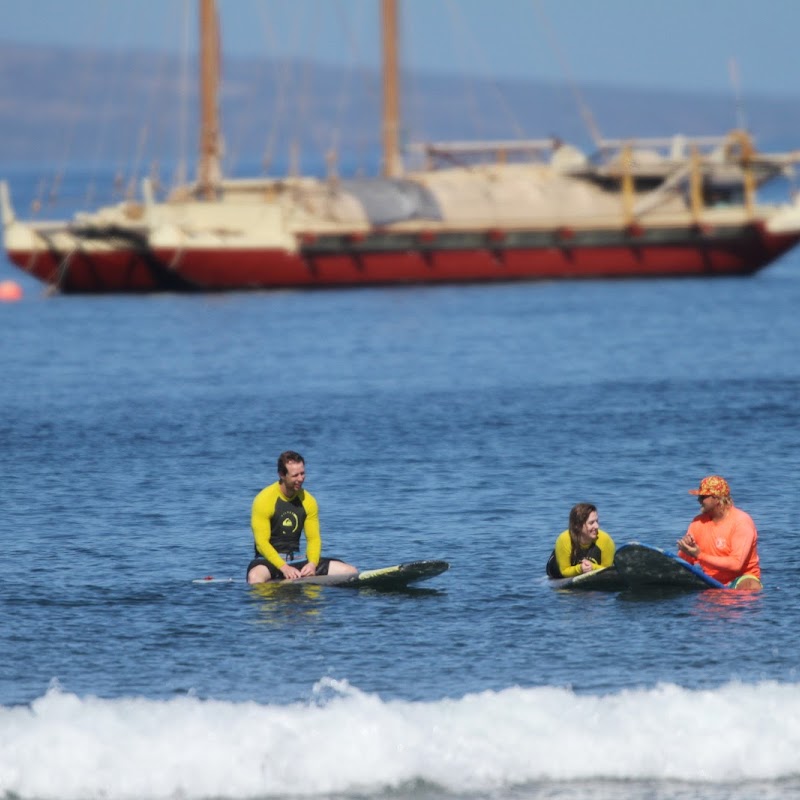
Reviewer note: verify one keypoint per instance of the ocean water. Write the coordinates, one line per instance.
(452, 422)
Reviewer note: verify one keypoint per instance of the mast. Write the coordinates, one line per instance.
(208, 170)
(392, 164)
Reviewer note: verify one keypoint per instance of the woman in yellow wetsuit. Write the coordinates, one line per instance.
(583, 547)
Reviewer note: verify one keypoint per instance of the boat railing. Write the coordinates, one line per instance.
(676, 147)
(497, 150)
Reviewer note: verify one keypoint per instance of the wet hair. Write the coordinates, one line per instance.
(285, 457)
(578, 515)
(726, 500)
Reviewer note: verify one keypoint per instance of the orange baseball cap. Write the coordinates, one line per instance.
(713, 486)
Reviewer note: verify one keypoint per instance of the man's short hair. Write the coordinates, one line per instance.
(285, 457)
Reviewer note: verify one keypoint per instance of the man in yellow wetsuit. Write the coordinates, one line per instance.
(281, 512)
(583, 547)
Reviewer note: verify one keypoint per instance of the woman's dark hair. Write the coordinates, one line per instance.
(577, 519)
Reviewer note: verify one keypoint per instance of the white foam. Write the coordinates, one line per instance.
(345, 741)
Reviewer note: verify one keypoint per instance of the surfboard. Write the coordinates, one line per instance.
(641, 565)
(605, 579)
(397, 576)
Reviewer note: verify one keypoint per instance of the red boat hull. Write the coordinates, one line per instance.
(390, 258)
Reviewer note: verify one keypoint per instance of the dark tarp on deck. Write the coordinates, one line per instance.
(387, 200)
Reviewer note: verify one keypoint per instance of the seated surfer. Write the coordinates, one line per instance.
(722, 539)
(583, 547)
(281, 512)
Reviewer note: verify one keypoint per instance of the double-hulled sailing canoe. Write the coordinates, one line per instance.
(477, 211)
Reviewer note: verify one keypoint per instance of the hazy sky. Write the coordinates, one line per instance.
(681, 44)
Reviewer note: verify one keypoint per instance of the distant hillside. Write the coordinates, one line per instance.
(59, 105)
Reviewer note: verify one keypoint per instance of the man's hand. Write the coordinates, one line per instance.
(688, 545)
(290, 573)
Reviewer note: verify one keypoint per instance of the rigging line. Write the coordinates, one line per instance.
(292, 120)
(305, 120)
(37, 200)
(473, 48)
(366, 136)
(102, 126)
(126, 71)
(181, 170)
(351, 71)
(583, 107)
(160, 84)
(733, 70)
(335, 134)
(281, 71)
(63, 261)
(245, 91)
(85, 67)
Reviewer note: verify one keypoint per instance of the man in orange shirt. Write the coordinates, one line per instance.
(722, 539)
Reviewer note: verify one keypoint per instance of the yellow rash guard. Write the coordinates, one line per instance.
(564, 559)
(278, 521)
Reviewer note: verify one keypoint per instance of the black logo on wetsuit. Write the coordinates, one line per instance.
(287, 525)
(592, 553)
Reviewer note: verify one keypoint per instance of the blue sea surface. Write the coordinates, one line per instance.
(459, 423)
